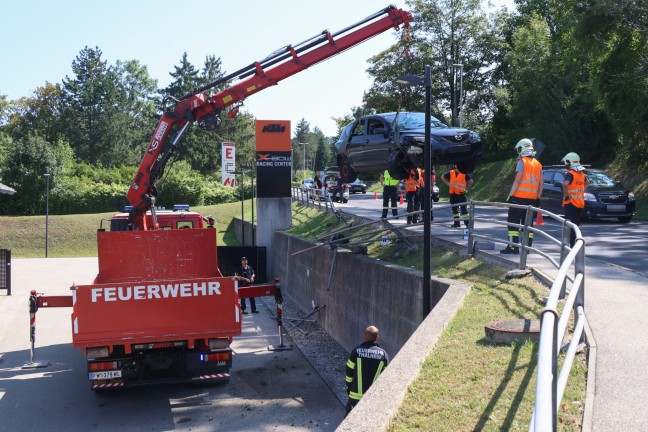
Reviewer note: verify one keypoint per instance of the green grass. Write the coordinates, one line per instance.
(468, 383)
(74, 235)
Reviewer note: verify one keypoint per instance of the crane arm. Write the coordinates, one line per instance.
(205, 109)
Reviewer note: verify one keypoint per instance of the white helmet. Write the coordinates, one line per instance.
(571, 160)
(524, 147)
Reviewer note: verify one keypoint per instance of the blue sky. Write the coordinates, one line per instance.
(42, 38)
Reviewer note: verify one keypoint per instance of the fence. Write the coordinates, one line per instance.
(554, 326)
(5, 270)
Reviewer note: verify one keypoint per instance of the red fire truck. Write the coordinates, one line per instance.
(159, 309)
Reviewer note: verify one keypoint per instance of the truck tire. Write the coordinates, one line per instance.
(347, 173)
(398, 165)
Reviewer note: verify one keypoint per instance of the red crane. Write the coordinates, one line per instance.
(199, 107)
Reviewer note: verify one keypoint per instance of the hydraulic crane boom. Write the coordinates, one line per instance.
(205, 109)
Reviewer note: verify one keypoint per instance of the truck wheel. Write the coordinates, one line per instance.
(398, 165)
(347, 173)
(467, 167)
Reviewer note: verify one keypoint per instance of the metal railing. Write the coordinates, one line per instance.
(5, 270)
(550, 386)
(320, 198)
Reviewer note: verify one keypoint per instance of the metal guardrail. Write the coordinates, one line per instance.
(550, 386)
(320, 198)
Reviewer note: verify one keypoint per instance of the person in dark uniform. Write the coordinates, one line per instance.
(366, 362)
(245, 275)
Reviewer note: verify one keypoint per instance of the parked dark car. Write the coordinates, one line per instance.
(604, 197)
(395, 141)
(357, 186)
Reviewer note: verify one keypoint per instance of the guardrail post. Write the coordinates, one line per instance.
(566, 239)
(524, 241)
(471, 227)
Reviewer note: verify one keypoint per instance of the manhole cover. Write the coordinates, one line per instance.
(509, 331)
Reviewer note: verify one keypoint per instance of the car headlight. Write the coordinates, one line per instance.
(631, 196)
(589, 197)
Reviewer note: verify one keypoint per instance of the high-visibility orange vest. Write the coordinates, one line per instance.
(412, 185)
(457, 182)
(576, 190)
(531, 178)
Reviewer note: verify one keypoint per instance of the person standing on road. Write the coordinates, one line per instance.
(389, 185)
(412, 186)
(458, 185)
(526, 190)
(317, 184)
(366, 363)
(573, 188)
(245, 275)
(336, 182)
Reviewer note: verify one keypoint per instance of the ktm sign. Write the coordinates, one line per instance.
(274, 128)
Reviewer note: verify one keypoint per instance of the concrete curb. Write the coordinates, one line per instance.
(383, 400)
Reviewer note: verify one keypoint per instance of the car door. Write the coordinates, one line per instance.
(355, 146)
(552, 193)
(376, 144)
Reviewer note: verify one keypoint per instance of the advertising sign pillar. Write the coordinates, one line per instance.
(274, 172)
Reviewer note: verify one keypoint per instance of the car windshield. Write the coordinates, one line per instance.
(599, 178)
(414, 120)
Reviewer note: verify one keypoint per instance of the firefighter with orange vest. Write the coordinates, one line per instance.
(458, 184)
(573, 188)
(413, 196)
(366, 363)
(526, 190)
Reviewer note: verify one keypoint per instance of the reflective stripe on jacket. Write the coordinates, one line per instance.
(457, 182)
(363, 368)
(531, 178)
(388, 179)
(576, 190)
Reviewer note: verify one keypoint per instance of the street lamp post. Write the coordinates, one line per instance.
(251, 168)
(242, 213)
(47, 178)
(427, 200)
(460, 66)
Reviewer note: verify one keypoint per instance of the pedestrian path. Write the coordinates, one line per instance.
(616, 308)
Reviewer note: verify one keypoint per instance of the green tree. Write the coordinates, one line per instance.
(25, 163)
(323, 153)
(39, 114)
(89, 98)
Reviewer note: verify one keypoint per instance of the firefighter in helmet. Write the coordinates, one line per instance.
(526, 190)
(573, 188)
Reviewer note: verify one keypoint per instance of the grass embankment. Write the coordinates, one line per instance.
(468, 383)
(74, 235)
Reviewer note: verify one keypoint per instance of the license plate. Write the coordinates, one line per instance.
(105, 375)
(616, 208)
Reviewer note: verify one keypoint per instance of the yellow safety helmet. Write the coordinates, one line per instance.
(571, 159)
(524, 147)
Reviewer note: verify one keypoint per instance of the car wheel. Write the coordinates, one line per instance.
(467, 167)
(398, 165)
(435, 198)
(347, 173)
(345, 200)
(364, 190)
(625, 219)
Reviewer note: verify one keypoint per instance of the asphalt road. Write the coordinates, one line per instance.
(268, 391)
(622, 244)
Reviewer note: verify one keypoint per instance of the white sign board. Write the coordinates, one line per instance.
(228, 160)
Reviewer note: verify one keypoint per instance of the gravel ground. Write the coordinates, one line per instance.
(322, 351)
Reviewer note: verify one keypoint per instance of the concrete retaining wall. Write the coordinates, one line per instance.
(362, 291)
